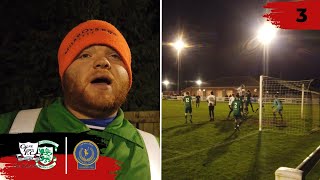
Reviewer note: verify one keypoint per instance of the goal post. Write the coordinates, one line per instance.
(260, 103)
(295, 114)
(302, 100)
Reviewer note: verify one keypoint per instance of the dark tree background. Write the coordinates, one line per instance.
(31, 32)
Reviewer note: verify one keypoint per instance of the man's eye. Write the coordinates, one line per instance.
(115, 56)
(82, 56)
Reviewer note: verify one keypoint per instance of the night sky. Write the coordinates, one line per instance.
(222, 35)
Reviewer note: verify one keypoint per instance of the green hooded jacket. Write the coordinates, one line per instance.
(124, 143)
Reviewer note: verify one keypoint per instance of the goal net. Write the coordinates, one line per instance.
(288, 106)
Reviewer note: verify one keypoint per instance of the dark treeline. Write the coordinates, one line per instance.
(31, 32)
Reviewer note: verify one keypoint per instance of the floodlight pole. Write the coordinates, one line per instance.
(178, 85)
(178, 45)
(266, 59)
(302, 100)
(260, 103)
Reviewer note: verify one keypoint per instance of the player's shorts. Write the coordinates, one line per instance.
(188, 110)
(247, 103)
(197, 101)
(237, 116)
(211, 108)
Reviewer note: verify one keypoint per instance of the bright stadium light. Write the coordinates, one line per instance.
(166, 83)
(199, 82)
(267, 33)
(179, 45)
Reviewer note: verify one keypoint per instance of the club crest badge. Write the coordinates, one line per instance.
(41, 152)
(86, 153)
(28, 151)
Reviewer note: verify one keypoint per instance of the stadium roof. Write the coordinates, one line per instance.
(233, 81)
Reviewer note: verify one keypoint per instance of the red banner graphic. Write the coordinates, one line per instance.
(299, 15)
(11, 168)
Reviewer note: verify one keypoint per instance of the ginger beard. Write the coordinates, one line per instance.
(85, 98)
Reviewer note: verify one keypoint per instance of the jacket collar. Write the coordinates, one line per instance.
(61, 120)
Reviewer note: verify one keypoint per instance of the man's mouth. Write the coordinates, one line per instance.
(101, 80)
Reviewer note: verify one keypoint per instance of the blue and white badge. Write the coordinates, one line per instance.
(86, 153)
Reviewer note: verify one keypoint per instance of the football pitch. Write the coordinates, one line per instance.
(214, 150)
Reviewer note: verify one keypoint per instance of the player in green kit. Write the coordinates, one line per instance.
(187, 106)
(237, 107)
(277, 108)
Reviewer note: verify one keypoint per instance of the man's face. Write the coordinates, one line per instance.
(96, 81)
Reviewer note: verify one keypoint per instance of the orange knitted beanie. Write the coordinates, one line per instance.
(93, 32)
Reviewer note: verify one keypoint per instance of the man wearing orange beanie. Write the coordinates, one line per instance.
(95, 70)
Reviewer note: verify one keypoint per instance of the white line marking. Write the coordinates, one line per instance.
(66, 152)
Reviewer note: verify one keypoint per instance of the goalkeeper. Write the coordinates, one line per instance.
(277, 108)
(248, 101)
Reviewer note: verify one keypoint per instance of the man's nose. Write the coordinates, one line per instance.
(102, 63)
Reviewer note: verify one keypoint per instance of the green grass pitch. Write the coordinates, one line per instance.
(213, 150)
